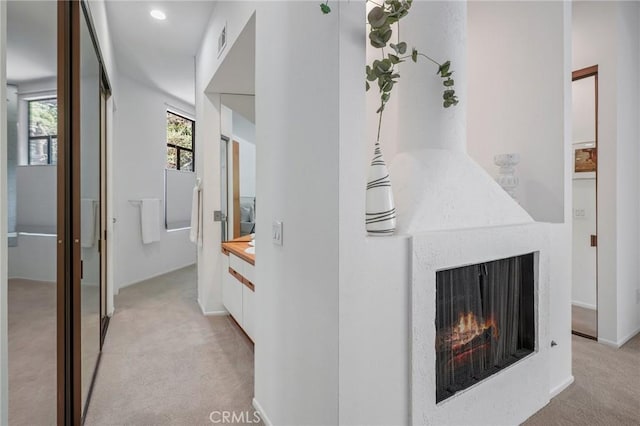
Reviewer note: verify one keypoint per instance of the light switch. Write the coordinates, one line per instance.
(276, 233)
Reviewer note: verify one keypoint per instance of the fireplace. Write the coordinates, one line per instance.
(485, 321)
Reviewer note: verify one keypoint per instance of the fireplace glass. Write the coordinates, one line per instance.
(485, 321)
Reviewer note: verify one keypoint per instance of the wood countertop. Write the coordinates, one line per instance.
(238, 247)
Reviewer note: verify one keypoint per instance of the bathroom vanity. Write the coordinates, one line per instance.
(238, 283)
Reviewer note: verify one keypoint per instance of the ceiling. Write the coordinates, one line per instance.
(159, 53)
(31, 41)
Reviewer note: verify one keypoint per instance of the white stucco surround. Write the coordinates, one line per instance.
(514, 393)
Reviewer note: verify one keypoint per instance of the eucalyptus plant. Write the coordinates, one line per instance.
(380, 20)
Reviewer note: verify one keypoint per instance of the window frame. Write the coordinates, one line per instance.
(181, 148)
(48, 138)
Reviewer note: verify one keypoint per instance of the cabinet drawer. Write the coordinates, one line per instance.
(237, 264)
(249, 272)
(248, 312)
(232, 294)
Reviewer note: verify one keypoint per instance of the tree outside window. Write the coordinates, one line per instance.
(180, 149)
(43, 131)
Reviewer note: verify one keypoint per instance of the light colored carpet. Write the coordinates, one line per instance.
(32, 348)
(164, 363)
(606, 391)
(32, 352)
(584, 320)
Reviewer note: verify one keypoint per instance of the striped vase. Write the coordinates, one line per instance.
(380, 210)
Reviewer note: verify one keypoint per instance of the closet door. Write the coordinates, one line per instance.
(90, 208)
(82, 87)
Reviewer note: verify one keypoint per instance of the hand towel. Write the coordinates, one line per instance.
(88, 215)
(150, 220)
(195, 235)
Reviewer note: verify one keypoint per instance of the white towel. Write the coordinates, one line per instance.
(150, 220)
(195, 235)
(88, 215)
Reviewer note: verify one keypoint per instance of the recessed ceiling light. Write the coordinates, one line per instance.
(158, 14)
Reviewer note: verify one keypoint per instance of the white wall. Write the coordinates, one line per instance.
(4, 370)
(297, 120)
(508, 81)
(606, 34)
(628, 212)
(296, 366)
(139, 158)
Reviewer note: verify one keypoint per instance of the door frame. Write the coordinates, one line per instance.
(580, 74)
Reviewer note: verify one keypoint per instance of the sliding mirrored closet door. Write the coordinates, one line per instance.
(83, 88)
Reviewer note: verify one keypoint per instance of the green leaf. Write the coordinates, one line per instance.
(448, 83)
(393, 58)
(402, 48)
(444, 69)
(377, 17)
(385, 33)
(376, 40)
(414, 55)
(325, 8)
(367, 85)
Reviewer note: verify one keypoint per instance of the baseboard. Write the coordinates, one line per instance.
(584, 305)
(562, 386)
(263, 415)
(32, 279)
(608, 342)
(117, 290)
(211, 313)
(620, 342)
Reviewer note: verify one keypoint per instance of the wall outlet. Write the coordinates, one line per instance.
(276, 233)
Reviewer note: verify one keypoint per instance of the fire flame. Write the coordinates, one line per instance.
(468, 327)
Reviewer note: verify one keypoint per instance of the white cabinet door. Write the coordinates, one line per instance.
(231, 293)
(248, 312)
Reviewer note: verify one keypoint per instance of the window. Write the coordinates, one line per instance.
(180, 149)
(43, 131)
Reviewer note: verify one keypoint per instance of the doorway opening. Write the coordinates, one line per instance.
(584, 297)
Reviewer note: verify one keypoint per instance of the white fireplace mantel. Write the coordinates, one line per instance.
(514, 393)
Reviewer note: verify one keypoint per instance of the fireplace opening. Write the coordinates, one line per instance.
(485, 321)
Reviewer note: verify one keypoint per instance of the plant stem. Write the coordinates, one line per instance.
(371, 1)
(432, 60)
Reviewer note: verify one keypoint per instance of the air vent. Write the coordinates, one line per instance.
(222, 39)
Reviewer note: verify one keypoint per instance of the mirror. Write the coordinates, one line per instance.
(31, 200)
(238, 165)
(90, 131)
(584, 300)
